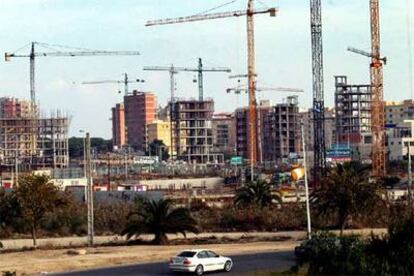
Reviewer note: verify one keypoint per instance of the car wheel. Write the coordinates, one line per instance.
(227, 266)
(199, 270)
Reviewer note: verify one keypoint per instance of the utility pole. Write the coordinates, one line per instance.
(305, 167)
(17, 170)
(89, 194)
(109, 171)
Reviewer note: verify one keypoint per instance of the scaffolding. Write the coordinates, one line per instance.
(34, 142)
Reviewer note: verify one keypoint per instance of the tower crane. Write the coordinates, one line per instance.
(199, 69)
(251, 71)
(57, 53)
(377, 106)
(238, 90)
(318, 105)
(173, 71)
(125, 82)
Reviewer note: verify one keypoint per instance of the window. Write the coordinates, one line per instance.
(211, 254)
(202, 255)
(187, 254)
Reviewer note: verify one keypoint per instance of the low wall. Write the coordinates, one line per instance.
(183, 183)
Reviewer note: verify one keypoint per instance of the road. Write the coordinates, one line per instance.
(242, 264)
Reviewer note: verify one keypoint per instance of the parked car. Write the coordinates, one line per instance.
(199, 261)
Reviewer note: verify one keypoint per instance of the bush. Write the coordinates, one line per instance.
(111, 218)
(228, 218)
(326, 254)
(392, 254)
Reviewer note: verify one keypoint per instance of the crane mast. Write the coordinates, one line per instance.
(32, 80)
(251, 72)
(377, 120)
(318, 90)
(173, 71)
(33, 54)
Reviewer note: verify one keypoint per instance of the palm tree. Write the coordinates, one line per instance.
(159, 217)
(346, 192)
(255, 193)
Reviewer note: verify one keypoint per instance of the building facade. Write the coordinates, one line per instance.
(118, 126)
(193, 133)
(224, 132)
(353, 117)
(399, 128)
(243, 130)
(140, 110)
(159, 130)
(282, 132)
(14, 108)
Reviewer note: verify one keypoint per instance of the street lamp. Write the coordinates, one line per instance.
(84, 155)
(306, 181)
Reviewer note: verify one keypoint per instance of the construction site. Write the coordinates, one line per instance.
(30, 141)
(244, 123)
(256, 137)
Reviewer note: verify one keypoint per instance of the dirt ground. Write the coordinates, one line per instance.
(58, 260)
(46, 261)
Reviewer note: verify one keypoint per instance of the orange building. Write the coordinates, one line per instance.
(14, 108)
(118, 126)
(140, 110)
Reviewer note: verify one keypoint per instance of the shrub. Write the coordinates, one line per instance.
(326, 254)
(392, 254)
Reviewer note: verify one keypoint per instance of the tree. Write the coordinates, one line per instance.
(37, 196)
(76, 145)
(158, 148)
(159, 217)
(255, 193)
(346, 192)
(9, 210)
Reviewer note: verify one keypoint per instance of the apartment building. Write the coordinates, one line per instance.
(140, 110)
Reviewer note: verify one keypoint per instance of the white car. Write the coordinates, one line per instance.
(199, 261)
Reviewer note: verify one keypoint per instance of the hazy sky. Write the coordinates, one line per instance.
(283, 51)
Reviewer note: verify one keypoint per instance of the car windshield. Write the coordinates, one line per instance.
(187, 254)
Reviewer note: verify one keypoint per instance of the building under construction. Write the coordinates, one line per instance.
(282, 131)
(353, 106)
(29, 142)
(192, 131)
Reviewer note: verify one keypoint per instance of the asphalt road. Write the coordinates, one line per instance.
(242, 264)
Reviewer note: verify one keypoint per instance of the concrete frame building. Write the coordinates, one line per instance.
(140, 110)
(224, 132)
(118, 126)
(242, 130)
(193, 134)
(282, 131)
(306, 116)
(353, 117)
(34, 142)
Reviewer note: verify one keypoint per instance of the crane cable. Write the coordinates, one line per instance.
(218, 7)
